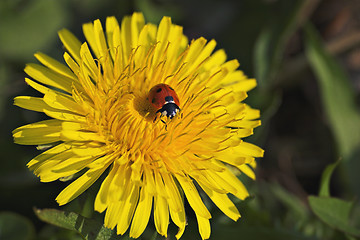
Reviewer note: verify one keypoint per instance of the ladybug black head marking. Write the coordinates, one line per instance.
(169, 99)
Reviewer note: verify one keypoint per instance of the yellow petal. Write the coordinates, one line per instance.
(128, 208)
(223, 203)
(101, 200)
(72, 64)
(159, 184)
(233, 78)
(38, 87)
(119, 184)
(48, 154)
(251, 113)
(71, 43)
(231, 156)
(44, 168)
(252, 164)
(204, 227)
(62, 115)
(250, 149)
(55, 155)
(243, 132)
(207, 164)
(231, 65)
(161, 215)
(174, 200)
(161, 38)
(87, 59)
(137, 23)
(197, 53)
(76, 162)
(142, 214)
(228, 177)
(245, 85)
(30, 103)
(49, 77)
(150, 181)
(193, 197)
(136, 168)
(244, 124)
(74, 126)
(90, 89)
(112, 35)
(175, 36)
(221, 182)
(39, 133)
(47, 176)
(89, 149)
(79, 185)
(67, 167)
(216, 59)
(89, 33)
(68, 135)
(205, 180)
(163, 30)
(126, 37)
(247, 170)
(112, 213)
(179, 219)
(62, 102)
(55, 65)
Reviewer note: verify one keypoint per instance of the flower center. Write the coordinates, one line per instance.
(143, 107)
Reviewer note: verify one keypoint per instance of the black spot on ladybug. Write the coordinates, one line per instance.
(171, 88)
(169, 99)
(159, 90)
(153, 100)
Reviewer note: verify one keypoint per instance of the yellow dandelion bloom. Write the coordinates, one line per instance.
(101, 120)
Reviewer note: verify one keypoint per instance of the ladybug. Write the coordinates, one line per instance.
(163, 98)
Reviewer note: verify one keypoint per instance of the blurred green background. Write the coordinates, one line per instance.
(306, 58)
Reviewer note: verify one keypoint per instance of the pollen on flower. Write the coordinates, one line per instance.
(101, 118)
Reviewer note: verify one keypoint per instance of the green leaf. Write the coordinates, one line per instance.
(337, 95)
(87, 228)
(14, 226)
(339, 102)
(242, 230)
(270, 45)
(325, 179)
(293, 203)
(334, 212)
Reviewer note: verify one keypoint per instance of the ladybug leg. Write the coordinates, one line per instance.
(159, 111)
(156, 113)
(163, 122)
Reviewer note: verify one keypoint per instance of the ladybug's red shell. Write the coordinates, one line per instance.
(158, 93)
(164, 99)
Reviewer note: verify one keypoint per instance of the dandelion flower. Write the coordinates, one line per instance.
(101, 122)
